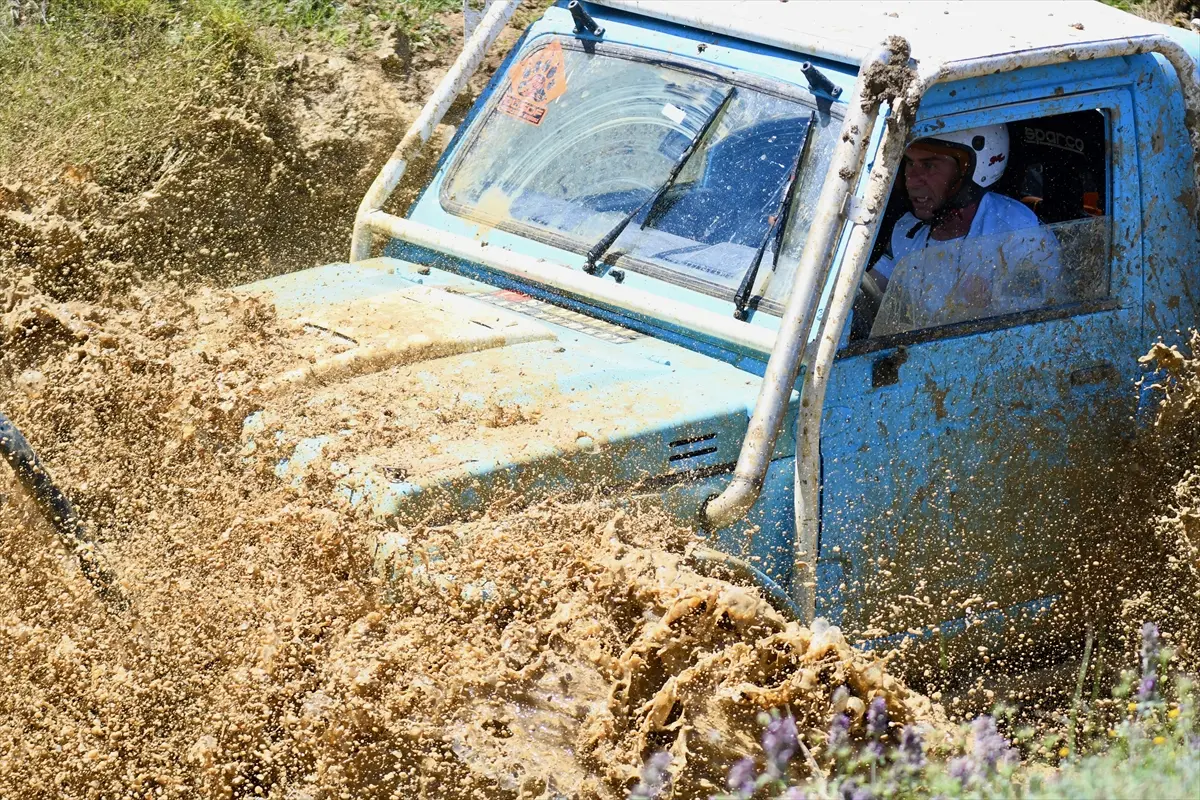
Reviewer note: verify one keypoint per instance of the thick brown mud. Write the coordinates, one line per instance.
(539, 651)
(521, 652)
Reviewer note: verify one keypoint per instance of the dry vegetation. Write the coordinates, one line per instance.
(211, 140)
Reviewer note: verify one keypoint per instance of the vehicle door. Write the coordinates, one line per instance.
(959, 441)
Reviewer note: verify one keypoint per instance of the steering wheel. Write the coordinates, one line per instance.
(698, 213)
(871, 288)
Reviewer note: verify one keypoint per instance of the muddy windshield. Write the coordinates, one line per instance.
(575, 142)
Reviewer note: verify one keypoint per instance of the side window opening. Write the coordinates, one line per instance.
(1042, 242)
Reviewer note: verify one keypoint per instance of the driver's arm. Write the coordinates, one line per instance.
(870, 295)
(880, 271)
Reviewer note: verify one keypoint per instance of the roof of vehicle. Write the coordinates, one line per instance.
(939, 31)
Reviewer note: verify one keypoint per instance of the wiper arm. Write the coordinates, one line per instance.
(601, 247)
(741, 298)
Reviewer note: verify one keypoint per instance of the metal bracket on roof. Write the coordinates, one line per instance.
(819, 82)
(583, 20)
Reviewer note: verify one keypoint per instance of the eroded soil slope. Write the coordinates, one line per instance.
(254, 174)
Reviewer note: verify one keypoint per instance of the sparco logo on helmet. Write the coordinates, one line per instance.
(1063, 141)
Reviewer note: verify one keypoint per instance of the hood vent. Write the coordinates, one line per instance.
(689, 453)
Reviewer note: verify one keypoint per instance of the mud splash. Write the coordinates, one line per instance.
(1164, 562)
(264, 656)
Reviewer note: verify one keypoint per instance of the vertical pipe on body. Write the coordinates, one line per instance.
(820, 355)
(784, 363)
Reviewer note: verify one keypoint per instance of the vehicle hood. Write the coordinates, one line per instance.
(432, 402)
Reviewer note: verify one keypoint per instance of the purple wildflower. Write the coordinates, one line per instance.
(780, 742)
(877, 718)
(962, 769)
(912, 747)
(877, 723)
(655, 777)
(1151, 646)
(794, 793)
(1146, 686)
(989, 748)
(742, 777)
(839, 733)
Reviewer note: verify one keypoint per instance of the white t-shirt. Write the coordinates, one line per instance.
(1006, 263)
(997, 213)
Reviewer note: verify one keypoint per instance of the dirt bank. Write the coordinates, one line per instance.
(254, 174)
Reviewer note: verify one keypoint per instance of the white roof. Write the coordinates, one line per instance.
(939, 31)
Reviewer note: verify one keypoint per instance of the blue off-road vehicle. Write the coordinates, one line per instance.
(648, 263)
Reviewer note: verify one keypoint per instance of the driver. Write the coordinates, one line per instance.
(948, 180)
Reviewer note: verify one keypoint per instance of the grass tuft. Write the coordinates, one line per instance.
(102, 79)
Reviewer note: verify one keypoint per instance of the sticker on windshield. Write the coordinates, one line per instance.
(674, 113)
(535, 81)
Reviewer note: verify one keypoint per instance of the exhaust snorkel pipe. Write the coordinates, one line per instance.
(783, 367)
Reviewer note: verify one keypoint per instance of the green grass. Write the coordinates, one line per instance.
(1170, 12)
(104, 81)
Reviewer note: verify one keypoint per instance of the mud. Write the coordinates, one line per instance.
(891, 80)
(263, 655)
(1163, 577)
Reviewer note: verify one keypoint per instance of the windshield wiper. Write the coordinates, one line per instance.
(741, 298)
(601, 247)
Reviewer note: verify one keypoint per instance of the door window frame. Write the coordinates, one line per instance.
(1123, 209)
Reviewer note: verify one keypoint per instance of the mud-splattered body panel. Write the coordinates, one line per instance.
(428, 398)
(960, 464)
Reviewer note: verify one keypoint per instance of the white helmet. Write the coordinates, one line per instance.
(988, 146)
